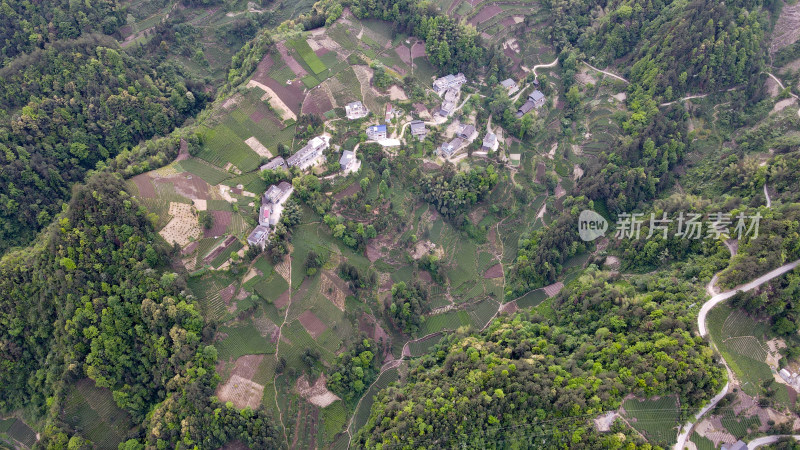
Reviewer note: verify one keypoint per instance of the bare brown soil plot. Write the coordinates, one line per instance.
(317, 102)
(787, 28)
(496, 271)
(290, 61)
(509, 308)
(425, 276)
(241, 392)
(321, 51)
(145, 186)
(221, 221)
(247, 366)
(312, 324)
(430, 166)
(350, 190)
(266, 328)
(227, 293)
(507, 22)
(235, 445)
(418, 50)
(183, 152)
(540, 170)
(404, 53)
(369, 326)
(332, 290)
(183, 226)
(261, 73)
(290, 94)
(485, 14)
(553, 289)
(258, 115)
(188, 185)
(282, 299)
(318, 393)
(189, 248)
(373, 253)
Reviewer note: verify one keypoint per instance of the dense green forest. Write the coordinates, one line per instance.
(94, 300)
(67, 109)
(90, 290)
(535, 380)
(27, 26)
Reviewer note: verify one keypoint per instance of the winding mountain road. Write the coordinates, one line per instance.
(758, 442)
(701, 326)
(544, 66)
(766, 194)
(721, 297)
(684, 99)
(607, 73)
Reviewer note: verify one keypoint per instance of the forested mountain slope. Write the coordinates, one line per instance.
(29, 25)
(94, 300)
(536, 379)
(66, 109)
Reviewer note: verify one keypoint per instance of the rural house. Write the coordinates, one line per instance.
(524, 109)
(489, 142)
(738, 445)
(270, 212)
(355, 110)
(447, 149)
(509, 85)
(258, 238)
(376, 132)
(440, 85)
(537, 97)
(272, 203)
(449, 102)
(348, 162)
(310, 154)
(275, 163)
(535, 100)
(467, 132)
(418, 129)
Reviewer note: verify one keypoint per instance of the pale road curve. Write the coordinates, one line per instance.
(721, 297)
(758, 442)
(684, 99)
(543, 66)
(779, 83)
(538, 66)
(782, 88)
(766, 194)
(607, 73)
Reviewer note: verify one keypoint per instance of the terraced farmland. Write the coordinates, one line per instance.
(741, 341)
(362, 412)
(92, 412)
(656, 418)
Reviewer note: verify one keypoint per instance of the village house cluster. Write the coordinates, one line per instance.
(466, 134)
(447, 87)
(275, 197)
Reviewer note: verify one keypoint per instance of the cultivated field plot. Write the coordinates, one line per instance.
(334, 419)
(183, 228)
(742, 342)
(92, 412)
(362, 413)
(15, 431)
(238, 340)
(243, 393)
(656, 418)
